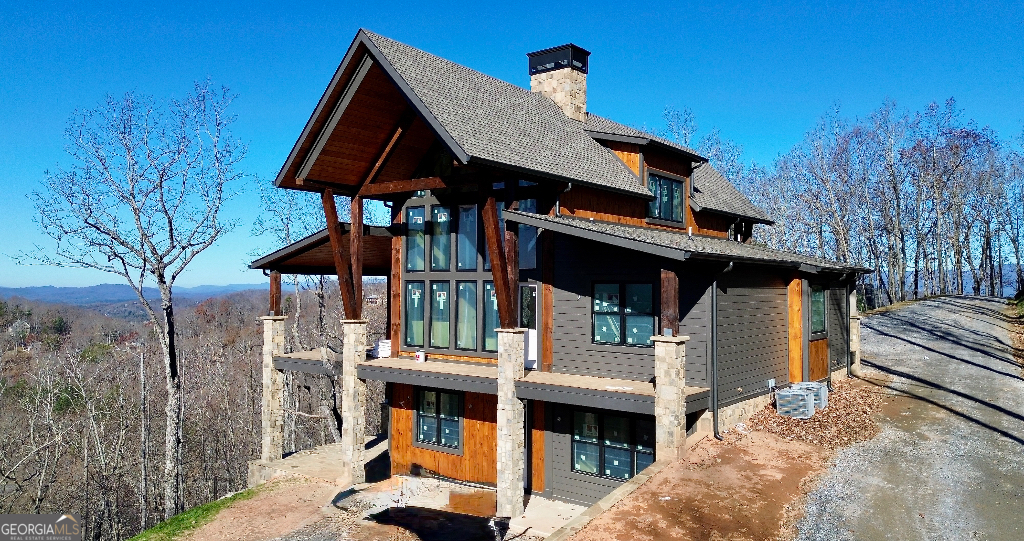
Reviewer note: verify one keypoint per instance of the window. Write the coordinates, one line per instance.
(438, 419)
(669, 198)
(501, 235)
(440, 315)
(528, 237)
(467, 238)
(817, 310)
(440, 238)
(612, 446)
(623, 314)
(414, 313)
(465, 316)
(490, 317)
(414, 239)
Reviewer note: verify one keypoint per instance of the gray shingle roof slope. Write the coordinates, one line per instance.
(500, 123)
(713, 191)
(600, 124)
(702, 246)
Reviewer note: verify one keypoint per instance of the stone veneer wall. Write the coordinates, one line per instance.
(567, 88)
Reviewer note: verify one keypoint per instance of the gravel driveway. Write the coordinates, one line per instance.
(949, 461)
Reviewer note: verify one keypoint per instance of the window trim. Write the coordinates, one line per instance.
(632, 417)
(417, 392)
(622, 313)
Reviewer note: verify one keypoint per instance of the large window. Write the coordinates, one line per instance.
(414, 313)
(440, 238)
(438, 419)
(669, 198)
(440, 314)
(817, 310)
(467, 238)
(623, 314)
(465, 317)
(490, 317)
(610, 445)
(528, 237)
(414, 239)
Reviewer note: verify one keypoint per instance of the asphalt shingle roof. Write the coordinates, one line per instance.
(500, 123)
(651, 240)
(713, 191)
(600, 124)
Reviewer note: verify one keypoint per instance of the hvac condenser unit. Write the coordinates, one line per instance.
(820, 391)
(793, 402)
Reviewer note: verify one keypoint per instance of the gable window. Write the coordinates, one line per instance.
(440, 314)
(440, 238)
(613, 446)
(467, 238)
(528, 237)
(669, 198)
(623, 314)
(414, 313)
(817, 310)
(438, 420)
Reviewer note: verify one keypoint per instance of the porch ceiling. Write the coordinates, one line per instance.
(312, 255)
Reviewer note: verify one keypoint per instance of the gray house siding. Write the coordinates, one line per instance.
(753, 339)
(837, 324)
(578, 265)
(695, 322)
(561, 483)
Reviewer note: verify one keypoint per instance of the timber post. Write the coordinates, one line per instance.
(353, 397)
(272, 446)
(670, 396)
(511, 462)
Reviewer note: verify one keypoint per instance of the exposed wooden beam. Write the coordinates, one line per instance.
(339, 109)
(389, 146)
(547, 277)
(669, 301)
(275, 293)
(355, 250)
(342, 265)
(426, 183)
(499, 265)
(512, 249)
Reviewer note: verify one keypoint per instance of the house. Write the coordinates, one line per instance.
(586, 295)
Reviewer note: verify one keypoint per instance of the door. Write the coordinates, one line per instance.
(528, 321)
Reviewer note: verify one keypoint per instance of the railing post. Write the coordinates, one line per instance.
(670, 396)
(511, 461)
(272, 446)
(353, 397)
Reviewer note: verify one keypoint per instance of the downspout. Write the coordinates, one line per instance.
(558, 200)
(714, 351)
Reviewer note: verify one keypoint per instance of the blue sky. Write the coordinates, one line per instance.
(762, 73)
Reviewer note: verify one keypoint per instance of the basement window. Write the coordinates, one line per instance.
(612, 446)
(438, 420)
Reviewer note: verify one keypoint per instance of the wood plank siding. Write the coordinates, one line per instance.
(586, 203)
(695, 307)
(579, 264)
(444, 356)
(478, 462)
(536, 443)
(796, 327)
(629, 153)
(817, 352)
(752, 333)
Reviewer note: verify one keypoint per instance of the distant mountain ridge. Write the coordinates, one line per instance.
(111, 293)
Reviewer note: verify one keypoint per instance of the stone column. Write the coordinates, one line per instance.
(511, 423)
(353, 397)
(670, 396)
(273, 390)
(855, 369)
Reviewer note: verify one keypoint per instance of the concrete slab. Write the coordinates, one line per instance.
(543, 517)
(323, 463)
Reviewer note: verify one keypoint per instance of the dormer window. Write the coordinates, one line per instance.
(669, 198)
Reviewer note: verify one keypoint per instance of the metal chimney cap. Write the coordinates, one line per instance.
(555, 58)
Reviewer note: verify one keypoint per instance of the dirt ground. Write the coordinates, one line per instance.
(748, 487)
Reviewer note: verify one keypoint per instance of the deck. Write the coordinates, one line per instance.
(574, 389)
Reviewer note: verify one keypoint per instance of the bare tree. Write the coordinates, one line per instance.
(141, 199)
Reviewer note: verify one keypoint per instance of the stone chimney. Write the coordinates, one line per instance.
(560, 73)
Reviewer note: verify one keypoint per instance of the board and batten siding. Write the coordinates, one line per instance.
(562, 482)
(837, 325)
(579, 265)
(753, 333)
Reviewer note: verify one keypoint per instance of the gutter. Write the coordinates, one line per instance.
(714, 351)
